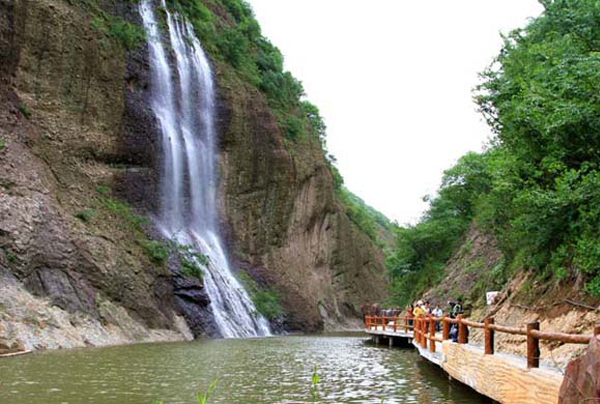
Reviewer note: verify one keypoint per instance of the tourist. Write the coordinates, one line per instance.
(426, 307)
(418, 311)
(450, 308)
(437, 312)
(458, 308)
(455, 311)
(409, 314)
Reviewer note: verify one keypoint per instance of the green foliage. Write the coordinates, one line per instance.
(421, 250)
(122, 210)
(2, 144)
(293, 128)
(85, 215)
(128, 35)
(358, 212)
(156, 250)
(103, 190)
(135, 223)
(229, 31)
(314, 385)
(191, 261)
(266, 300)
(203, 398)
(24, 110)
(367, 219)
(542, 99)
(537, 187)
(11, 257)
(238, 41)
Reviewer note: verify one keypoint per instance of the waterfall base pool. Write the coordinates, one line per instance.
(261, 370)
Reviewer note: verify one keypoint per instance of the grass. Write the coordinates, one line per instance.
(314, 385)
(85, 215)
(191, 261)
(203, 398)
(24, 110)
(2, 144)
(126, 34)
(156, 251)
(135, 223)
(266, 300)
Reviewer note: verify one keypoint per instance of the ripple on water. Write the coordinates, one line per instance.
(250, 371)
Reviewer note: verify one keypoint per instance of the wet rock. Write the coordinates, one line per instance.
(193, 302)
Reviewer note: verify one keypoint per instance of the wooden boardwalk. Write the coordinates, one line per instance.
(504, 378)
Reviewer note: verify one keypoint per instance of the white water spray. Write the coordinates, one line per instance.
(183, 100)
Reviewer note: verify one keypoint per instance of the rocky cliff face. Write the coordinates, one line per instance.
(285, 224)
(65, 127)
(78, 170)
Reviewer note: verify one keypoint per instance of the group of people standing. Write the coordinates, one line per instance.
(423, 308)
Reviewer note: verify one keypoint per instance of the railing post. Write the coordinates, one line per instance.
(406, 324)
(597, 330)
(445, 328)
(383, 322)
(415, 330)
(489, 336)
(424, 332)
(462, 330)
(431, 334)
(533, 346)
(395, 323)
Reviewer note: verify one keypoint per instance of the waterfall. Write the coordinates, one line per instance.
(183, 100)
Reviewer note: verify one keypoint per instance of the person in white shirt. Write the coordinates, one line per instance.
(437, 312)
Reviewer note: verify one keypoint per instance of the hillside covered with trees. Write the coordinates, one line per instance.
(536, 187)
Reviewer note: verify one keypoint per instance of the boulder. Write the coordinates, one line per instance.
(582, 377)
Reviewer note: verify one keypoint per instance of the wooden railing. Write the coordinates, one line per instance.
(389, 323)
(424, 332)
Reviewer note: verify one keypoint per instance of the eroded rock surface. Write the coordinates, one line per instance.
(582, 378)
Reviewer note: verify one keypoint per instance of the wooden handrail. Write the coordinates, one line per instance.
(423, 329)
(562, 337)
(509, 330)
(473, 324)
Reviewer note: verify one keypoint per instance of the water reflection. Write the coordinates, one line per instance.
(269, 370)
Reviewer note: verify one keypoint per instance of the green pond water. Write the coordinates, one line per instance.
(267, 370)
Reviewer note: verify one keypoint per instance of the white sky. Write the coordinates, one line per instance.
(393, 81)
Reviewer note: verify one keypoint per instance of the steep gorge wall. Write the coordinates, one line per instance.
(285, 224)
(78, 138)
(65, 127)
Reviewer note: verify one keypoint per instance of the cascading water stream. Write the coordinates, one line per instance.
(183, 100)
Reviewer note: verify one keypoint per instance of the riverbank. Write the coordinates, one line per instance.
(32, 323)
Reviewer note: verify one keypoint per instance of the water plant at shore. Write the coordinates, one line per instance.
(203, 398)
